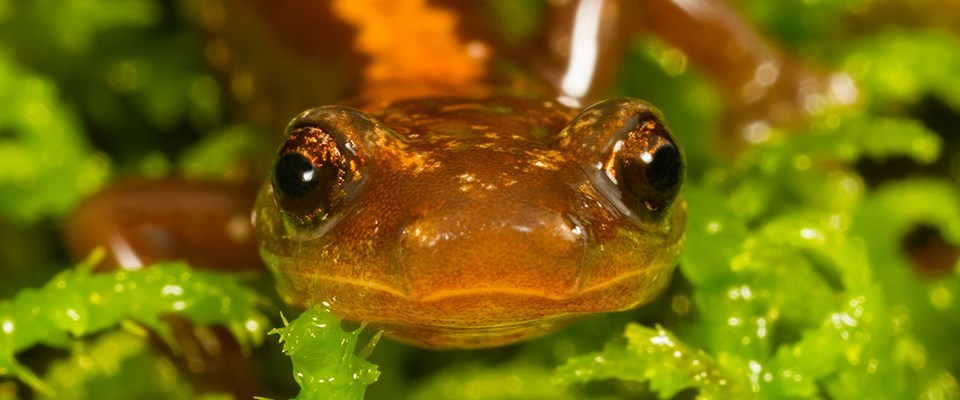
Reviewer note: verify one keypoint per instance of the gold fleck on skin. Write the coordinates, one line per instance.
(546, 159)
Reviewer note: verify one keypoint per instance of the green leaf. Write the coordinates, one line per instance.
(324, 361)
(46, 165)
(848, 136)
(76, 303)
(514, 381)
(658, 357)
(924, 306)
(902, 66)
(113, 362)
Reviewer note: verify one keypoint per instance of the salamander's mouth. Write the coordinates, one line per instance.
(448, 294)
(473, 317)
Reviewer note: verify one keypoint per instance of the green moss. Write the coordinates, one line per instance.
(107, 367)
(46, 164)
(657, 357)
(77, 303)
(324, 361)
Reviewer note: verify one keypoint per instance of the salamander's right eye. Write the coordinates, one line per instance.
(313, 173)
(295, 176)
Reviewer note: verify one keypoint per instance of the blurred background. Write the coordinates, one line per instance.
(851, 217)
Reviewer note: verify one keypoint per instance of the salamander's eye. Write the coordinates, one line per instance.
(647, 166)
(313, 174)
(295, 176)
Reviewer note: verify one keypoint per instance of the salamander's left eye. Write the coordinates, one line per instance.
(295, 176)
(312, 174)
(629, 155)
(647, 166)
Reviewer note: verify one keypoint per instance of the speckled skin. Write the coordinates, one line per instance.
(474, 222)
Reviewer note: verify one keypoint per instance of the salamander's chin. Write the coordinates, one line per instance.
(472, 319)
(446, 337)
